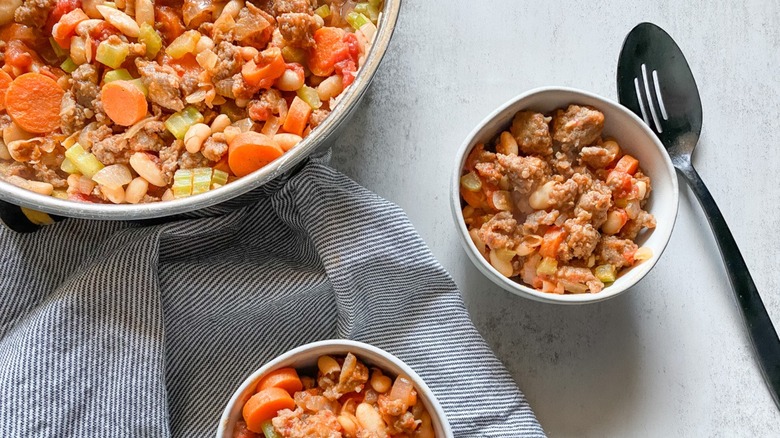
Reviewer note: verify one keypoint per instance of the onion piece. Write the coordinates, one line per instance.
(135, 129)
(113, 176)
(404, 391)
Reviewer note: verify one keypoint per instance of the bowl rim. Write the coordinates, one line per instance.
(348, 102)
(520, 289)
(434, 407)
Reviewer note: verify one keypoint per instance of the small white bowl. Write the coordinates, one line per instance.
(306, 357)
(633, 136)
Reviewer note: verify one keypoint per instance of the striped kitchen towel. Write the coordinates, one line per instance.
(114, 329)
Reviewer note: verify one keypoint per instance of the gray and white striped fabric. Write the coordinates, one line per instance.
(134, 330)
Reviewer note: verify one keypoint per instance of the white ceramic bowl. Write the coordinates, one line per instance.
(634, 138)
(306, 357)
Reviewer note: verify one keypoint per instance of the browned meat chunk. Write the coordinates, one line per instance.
(254, 27)
(298, 28)
(317, 117)
(594, 204)
(284, 6)
(162, 83)
(632, 228)
(353, 377)
(192, 161)
(580, 276)
(93, 133)
(578, 126)
(539, 219)
(525, 173)
(395, 414)
(596, 156)
(297, 424)
(150, 138)
(614, 251)
(112, 150)
(73, 117)
(313, 401)
(490, 171)
(563, 194)
(228, 63)
(532, 132)
(84, 84)
(269, 104)
(169, 159)
(214, 149)
(34, 13)
(500, 231)
(581, 240)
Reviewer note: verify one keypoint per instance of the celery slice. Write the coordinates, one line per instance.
(139, 83)
(605, 273)
(183, 44)
(182, 183)
(86, 162)
(356, 20)
(323, 11)
(180, 122)
(117, 75)
(151, 38)
(67, 166)
(201, 180)
(112, 55)
(376, 3)
(219, 178)
(59, 51)
(294, 54)
(69, 66)
(310, 96)
(268, 429)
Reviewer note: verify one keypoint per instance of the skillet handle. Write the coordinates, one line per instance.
(14, 219)
(762, 333)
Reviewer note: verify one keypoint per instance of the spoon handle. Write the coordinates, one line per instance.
(762, 332)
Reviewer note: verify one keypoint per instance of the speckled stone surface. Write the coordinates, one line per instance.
(670, 357)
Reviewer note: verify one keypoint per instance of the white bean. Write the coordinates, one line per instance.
(168, 196)
(204, 43)
(39, 187)
(507, 144)
(219, 124)
(78, 50)
(195, 136)
(290, 81)
(232, 8)
(114, 194)
(287, 141)
(615, 221)
(144, 165)
(642, 189)
(330, 87)
(144, 12)
(380, 382)
(13, 132)
(540, 199)
(120, 20)
(328, 365)
(643, 253)
(348, 425)
(370, 419)
(503, 266)
(4, 154)
(136, 190)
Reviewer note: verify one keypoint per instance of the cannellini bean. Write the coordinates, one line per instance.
(248, 53)
(425, 430)
(615, 221)
(241, 102)
(328, 365)
(478, 242)
(642, 189)
(380, 382)
(89, 7)
(349, 425)
(205, 43)
(287, 141)
(502, 200)
(78, 50)
(7, 10)
(290, 81)
(219, 124)
(136, 190)
(4, 154)
(144, 12)
(144, 166)
(330, 87)
(114, 194)
(232, 8)
(643, 253)
(13, 132)
(503, 266)
(39, 187)
(83, 28)
(195, 136)
(507, 144)
(80, 184)
(120, 20)
(370, 419)
(540, 199)
(230, 133)
(167, 196)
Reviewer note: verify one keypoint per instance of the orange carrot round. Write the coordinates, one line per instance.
(33, 102)
(123, 102)
(284, 378)
(264, 406)
(264, 72)
(297, 117)
(5, 81)
(250, 151)
(329, 48)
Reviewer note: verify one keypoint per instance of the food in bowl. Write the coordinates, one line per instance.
(341, 398)
(552, 204)
(137, 101)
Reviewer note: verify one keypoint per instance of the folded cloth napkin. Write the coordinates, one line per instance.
(111, 329)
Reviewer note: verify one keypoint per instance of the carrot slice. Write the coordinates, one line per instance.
(551, 242)
(168, 23)
(250, 151)
(329, 48)
(123, 102)
(264, 406)
(627, 164)
(297, 117)
(264, 72)
(5, 81)
(285, 378)
(66, 27)
(33, 102)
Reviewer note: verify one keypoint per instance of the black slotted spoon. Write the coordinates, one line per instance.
(656, 83)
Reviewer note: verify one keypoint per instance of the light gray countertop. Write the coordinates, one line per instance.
(671, 356)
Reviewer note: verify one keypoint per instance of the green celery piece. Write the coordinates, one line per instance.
(151, 38)
(219, 178)
(117, 75)
(361, 8)
(294, 54)
(376, 3)
(86, 163)
(356, 20)
(182, 183)
(69, 66)
(373, 13)
(139, 83)
(112, 55)
(67, 166)
(201, 180)
(606, 273)
(268, 429)
(59, 51)
(180, 122)
(323, 11)
(310, 96)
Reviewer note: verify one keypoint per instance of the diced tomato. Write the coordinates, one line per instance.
(551, 242)
(61, 8)
(183, 65)
(64, 29)
(100, 33)
(474, 199)
(18, 32)
(352, 44)
(18, 55)
(621, 183)
(347, 69)
(329, 48)
(168, 23)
